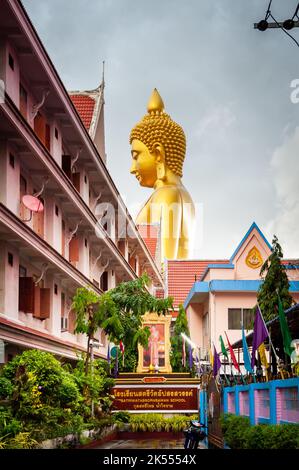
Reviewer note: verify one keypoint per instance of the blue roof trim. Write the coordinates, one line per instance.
(198, 287)
(216, 266)
(224, 285)
(253, 226)
(231, 285)
(291, 266)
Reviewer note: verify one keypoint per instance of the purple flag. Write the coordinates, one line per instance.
(260, 333)
(217, 363)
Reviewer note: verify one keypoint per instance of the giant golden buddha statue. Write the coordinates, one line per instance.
(158, 147)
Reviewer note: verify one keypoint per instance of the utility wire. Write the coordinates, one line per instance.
(268, 12)
(271, 16)
(296, 12)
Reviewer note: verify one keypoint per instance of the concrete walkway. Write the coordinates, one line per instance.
(145, 444)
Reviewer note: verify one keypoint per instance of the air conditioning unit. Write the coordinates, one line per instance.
(64, 324)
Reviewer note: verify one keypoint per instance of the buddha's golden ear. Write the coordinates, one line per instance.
(155, 103)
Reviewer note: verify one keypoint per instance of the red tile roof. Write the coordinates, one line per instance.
(150, 235)
(181, 276)
(85, 107)
(293, 262)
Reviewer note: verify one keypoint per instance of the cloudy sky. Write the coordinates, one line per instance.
(228, 85)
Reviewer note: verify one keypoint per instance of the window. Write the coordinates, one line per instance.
(104, 281)
(10, 259)
(40, 127)
(240, 316)
(85, 179)
(248, 318)
(64, 324)
(11, 62)
(11, 160)
(56, 210)
(56, 133)
(55, 289)
(85, 242)
(39, 220)
(48, 137)
(67, 165)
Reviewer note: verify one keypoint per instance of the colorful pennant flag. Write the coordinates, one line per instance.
(211, 357)
(262, 353)
(122, 350)
(217, 363)
(232, 355)
(116, 364)
(286, 337)
(223, 348)
(246, 356)
(260, 333)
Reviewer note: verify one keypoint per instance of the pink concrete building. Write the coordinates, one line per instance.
(47, 150)
(222, 298)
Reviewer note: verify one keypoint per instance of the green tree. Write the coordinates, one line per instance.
(119, 313)
(275, 281)
(181, 326)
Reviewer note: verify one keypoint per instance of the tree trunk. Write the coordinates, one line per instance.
(87, 355)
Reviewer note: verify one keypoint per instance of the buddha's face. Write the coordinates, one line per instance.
(143, 165)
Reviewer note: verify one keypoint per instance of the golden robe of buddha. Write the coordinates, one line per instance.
(158, 147)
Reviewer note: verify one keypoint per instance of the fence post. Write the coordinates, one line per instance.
(237, 401)
(272, 396)
(252, 404)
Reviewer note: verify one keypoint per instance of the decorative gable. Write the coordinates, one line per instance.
(250, 255)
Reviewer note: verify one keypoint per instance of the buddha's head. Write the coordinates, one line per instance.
(157, 144)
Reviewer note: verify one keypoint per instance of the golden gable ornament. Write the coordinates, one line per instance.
(254, 259)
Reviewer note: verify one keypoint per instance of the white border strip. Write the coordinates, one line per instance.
(158, 386)
(157, 411)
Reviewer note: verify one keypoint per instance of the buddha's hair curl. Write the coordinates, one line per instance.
(158, 127)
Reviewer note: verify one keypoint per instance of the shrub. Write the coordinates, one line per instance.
(48, 399)
(157, 422)
(9, 426)
(121, 417)
(23, 440)
(238, 434)
(280, 436)
(39, 381)
(6, 388)
(68, 391)
(234, 429)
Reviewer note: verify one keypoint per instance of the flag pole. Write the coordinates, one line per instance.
(270, 341)
(243, 332)
(226, 378)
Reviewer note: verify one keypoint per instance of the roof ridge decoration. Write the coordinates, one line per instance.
(97, 95)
